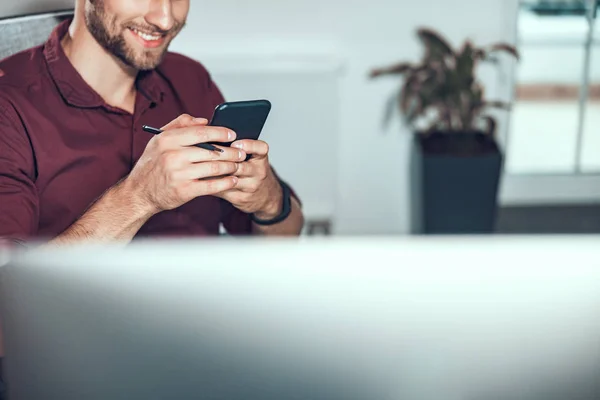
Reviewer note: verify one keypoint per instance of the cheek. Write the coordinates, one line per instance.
(121, 12)
(180, 10)
(122, 8)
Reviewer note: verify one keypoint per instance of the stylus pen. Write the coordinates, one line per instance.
(206, 146)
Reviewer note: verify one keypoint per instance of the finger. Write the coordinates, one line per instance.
(207, 169)
(255, 147)
(210, 186)
(184, 120)
(194, 154)
(233, 195)
(228, 153)
(178, 122)
(248, 184)
(189, 136)
(246, 169)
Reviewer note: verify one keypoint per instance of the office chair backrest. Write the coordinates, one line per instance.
(21, 33)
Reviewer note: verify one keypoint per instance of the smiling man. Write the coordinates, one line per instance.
(74, 163)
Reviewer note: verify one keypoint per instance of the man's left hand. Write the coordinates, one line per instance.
(258, 191)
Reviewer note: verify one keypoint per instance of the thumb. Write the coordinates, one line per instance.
(184, 121)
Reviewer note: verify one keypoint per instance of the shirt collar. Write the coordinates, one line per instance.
(71, 85)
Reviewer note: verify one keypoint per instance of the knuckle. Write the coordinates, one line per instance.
(163, 161)
(253, 186)
(182, 121)
(229, 184)
(241, 168)
(215, 168)
(172, 176)
(232, 167)
(170, 160)
(161, 143)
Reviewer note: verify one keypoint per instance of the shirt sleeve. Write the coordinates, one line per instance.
(19, 205)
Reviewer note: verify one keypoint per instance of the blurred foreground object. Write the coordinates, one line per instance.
(456, 160)
(411, 319)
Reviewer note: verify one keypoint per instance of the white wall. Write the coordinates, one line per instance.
(373, 165)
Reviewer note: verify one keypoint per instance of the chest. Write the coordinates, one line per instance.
(80, 156)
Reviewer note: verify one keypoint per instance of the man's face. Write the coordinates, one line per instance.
(138, 32)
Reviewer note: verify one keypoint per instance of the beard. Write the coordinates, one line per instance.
(110, 34)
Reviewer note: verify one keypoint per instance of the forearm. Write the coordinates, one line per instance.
(291, 226)
(116, 216)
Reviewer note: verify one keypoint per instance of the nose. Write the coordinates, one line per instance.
(160, 14)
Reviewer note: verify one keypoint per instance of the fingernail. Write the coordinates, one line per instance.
(237, 145)
(230, 135)
(235, 180)
(241, 155)
(199, 120)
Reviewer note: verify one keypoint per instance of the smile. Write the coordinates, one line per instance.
(150, 37)
(148, 40)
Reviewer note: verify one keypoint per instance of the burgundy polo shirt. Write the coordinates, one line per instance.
(62, 146)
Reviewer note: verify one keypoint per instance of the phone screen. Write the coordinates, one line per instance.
(245, 118)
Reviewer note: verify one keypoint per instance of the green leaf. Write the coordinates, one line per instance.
(396, 69)
(506, 48)
(436, 46)
(445, 83)
(477, 91)
(465, 65)
(491, 124)
(408, 92)
(491, 59)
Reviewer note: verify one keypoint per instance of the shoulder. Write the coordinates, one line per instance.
(19, 75)
(21, 70)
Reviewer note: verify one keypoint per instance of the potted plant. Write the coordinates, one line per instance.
(456, 161)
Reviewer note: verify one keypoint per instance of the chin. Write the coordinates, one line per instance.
(133, 55)
(143, 61)
(145, 64)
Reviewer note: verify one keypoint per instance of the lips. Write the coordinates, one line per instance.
(148, 39)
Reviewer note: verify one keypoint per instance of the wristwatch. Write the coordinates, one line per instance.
(285, 210)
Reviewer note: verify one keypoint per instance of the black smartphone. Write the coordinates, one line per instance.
(246, 118)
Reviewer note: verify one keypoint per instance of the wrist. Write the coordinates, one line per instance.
(130, 194)
(273, 206)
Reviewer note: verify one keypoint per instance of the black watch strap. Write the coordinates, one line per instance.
(285, 210)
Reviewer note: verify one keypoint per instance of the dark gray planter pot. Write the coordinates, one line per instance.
(454, 179)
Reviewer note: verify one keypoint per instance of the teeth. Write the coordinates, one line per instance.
(147, 36)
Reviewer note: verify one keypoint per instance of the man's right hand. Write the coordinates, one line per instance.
(172, 171)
